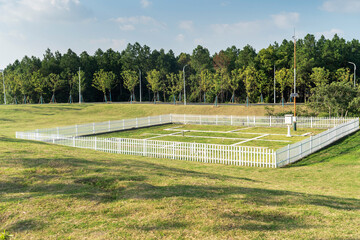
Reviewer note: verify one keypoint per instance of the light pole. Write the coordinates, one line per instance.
(3, 85)
(184, 84)
(274, 86)
(294, 95)
(140, 83)
(354, 73)
(79, 88)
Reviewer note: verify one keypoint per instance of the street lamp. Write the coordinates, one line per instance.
(354, 72)
(140, 83)
(274, 85)
(184, 84)
(295, 94)
(79, 88)
(3, 85)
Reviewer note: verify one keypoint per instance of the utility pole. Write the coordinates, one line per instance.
(354, 73)
(184, 85)
(294, 95)
(79, 87)
(4, 85)
(140, 82)
(274, 86)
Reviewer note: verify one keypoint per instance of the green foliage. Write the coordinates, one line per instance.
(103, 81)
(337, 98)
(175, 83)
(153, 78)
(320, 76)
(319, 61)
(131, 80)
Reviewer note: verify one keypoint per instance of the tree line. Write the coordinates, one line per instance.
(231, 75)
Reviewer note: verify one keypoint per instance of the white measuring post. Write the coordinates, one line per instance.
(76, 129)
(137, 123)
(231, 120)
(93, 127)
(109, 125)
(288, 131)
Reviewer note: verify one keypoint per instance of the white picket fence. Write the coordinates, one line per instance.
(75, 136)
(255, 121)
(299, 150)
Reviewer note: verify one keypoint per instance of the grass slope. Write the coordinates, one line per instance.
(56, 192)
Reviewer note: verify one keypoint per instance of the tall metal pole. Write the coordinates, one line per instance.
(184, 85)
(354, 73)
(295, 94)
(274, 86)
(4, 85)
(79, 87)
(140, 83)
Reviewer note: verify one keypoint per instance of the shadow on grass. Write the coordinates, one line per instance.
(343, 146)
(26, 225)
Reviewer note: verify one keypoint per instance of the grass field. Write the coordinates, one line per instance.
(57, 192)
(266, 137)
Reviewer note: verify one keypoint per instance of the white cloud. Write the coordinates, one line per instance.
(244, 28)
(342, 6)
(145, 3)
(329, 34)
(180, 38)
(110, 43)
(130, 23)
(199, 41)
(187, 25)
(40, 10)
(236, 28)
(286, 20)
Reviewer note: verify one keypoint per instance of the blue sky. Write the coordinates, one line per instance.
(28, 27)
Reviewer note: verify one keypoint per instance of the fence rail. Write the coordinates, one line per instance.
(75, 136)
(299, 150)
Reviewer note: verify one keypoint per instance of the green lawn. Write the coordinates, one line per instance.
(57, 192)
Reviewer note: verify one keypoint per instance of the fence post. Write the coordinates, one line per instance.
(254, 122)
(270, 121)
(93, 127)
(288, 153)
(76, 130)
(275, 159)
(109, 125)
(144, 147)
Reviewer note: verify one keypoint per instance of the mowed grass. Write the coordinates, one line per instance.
(57, 192)
(266, 137)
